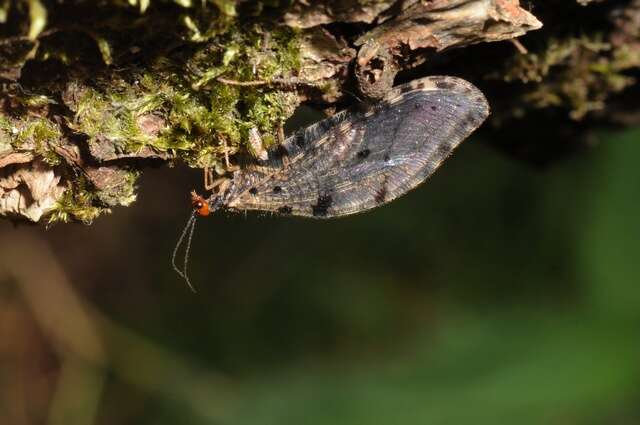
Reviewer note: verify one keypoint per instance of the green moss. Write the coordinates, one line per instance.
(113, 116)
(82, 202)
(204, 118)
(127, 191)
(35, 101)
(76, 204)
(167, 100)
(227, 7)
(34, 134)
(266, 110)
(6, 127)
(252, 55)
(38, 17)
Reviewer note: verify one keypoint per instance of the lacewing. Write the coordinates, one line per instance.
(357, 159)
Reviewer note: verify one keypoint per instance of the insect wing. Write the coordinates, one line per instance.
(355, 160)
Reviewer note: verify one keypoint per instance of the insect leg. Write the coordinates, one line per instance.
(280, 133)
(221, 184)
(227, 163)
(281, 139)
(210, 183)
(208, 177)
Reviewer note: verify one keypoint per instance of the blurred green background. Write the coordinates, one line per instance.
(498, 293)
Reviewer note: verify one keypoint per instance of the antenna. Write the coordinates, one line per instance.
(188, 228)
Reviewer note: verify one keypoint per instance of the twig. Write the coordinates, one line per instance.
(293, 81)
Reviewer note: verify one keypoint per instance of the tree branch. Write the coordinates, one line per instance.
(92, 93)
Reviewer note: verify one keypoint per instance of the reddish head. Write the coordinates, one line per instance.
(200, 205)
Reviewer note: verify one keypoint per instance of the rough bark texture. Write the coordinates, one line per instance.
(94, 92)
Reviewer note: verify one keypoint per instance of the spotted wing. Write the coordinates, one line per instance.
(357, 160)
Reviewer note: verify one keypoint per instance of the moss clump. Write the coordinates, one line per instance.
(203, 119)
(77, 204)
(113, 117)
(84, 200)
(141, 85)
(38, 135)
(215, 117)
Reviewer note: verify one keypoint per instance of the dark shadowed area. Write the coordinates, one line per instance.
(496, 293)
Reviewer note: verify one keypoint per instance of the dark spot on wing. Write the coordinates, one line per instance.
(471, 121)
(300, 139)
(434, 108)
(386, 157)
(385, 104)
(480, 100)
(322, 206)
(277, 189)
(364, 153)
(480, 116)
(285, 209)
(381, 193)
(444, 85)
(325, 125)
(253, 191)
(340, 137)
(409, 87)
(280, 152)
(444, 149)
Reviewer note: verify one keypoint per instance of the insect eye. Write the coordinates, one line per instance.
(200, 205)
(202, 208)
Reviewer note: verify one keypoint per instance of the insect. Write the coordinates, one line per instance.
(357, 159)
